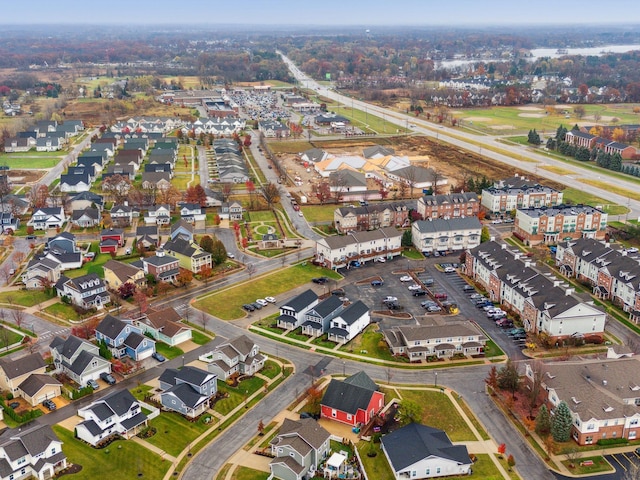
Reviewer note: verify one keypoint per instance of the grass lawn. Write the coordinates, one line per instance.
(599, 465)
(8, 337)
(199, 338)
(413, 254)
(181, 181)
(297, 335)
(319, 213)
(140, 391)
(556, 170)
(492, 350)
(574, 195)
(168, 351)
(95, 266)
(262, 216)
(271, 369)
(34, 160)
(121, 459)
(227, 304)
(371, 340)
(236, 394)
(438, 412)
(63, 312)
(485, 468)
(322, 341)
(174, 432)
(634, 194)
(376, 467)
(246, 473)
(25, 298)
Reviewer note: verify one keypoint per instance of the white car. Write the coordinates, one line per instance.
(449, 270)
(262, 301)
(300, 214)
(270, 299)
(406, 278)
(231, 255)
(391, 299)
(414, 287)
(380, 260)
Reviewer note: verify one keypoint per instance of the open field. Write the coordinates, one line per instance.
(573, 195)
(29, 160)
(556, 170)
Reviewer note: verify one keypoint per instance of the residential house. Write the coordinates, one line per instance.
(32, 452)
(602, 395)
(87, 291)
(163, 267)
(125, 170)
(64, 242)
(317, 319)
(371, 217)
(111, 239)
(182, 229)
(78, 359)
(9, 222)
(354, 400)
(338, 251)
(124, 339)
(15, 371)
(147, 236)
(123, 215)
(165, 326)
(377, 151)
(419, 342)
(313, 155)
(298, 447)
(292, 311)
(213, 198)
(118, 273)
(454, 205)
(39, 387)
(240, 356)
(273, 129)
(156, 180)
(230, 211)
(501, 200)
(346, 181)
(563, 222)
(439, 235)
(75, 182)
(86, 218)
(418, 177)
(418, 451)
(14, 204)
(192, 212)
(49, 144)
(119, 413)
(47, 217)
(83, 200)
(158, 215)
(16, 144)
(40, 272)
(188, 390)
(349, 323)
(190, 255)
(67, 261)
(158, 167)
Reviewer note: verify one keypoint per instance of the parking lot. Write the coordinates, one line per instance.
(450, 283)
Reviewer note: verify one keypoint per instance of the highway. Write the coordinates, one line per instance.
(482, 144)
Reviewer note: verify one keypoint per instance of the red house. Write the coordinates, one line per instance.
(353, 401)
(111, 239)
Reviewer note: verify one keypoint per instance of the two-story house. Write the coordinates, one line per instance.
(453, 205)
(192, 212)
(34, 452)
(15, 371)
(78, 359)
(111, 239)
(64, 241)
(298, 447)
(181, 229)
(40, 272)
(116, 273)
(47, 217)
(119, 413)
(87, 291)
(158, 215)
(190, 255)
(354, 400)
(163, 267)
(123, 215)
(339, 250)
(83, 200)
(147, 236)
(86, 218)
(441, 235)
(165, 326)
(292, 311)
(349, 323)
(188, 390)
(230, 211)
(316, 319)
(371, 217)
(240, 356)
(75, 182)
(124, 339)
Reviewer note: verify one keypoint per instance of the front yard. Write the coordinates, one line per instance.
(236, 395)
(24, 298)
(174, 433)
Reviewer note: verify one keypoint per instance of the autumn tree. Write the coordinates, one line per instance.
(40, 196)
(196, 194)
(251, 188)
(206, 243)
(536, 386)
(323, 192)
(271, 193)
(206, 272)
(218, 252)
(338, 185)
(168, 196)
(314, 397)
(579, 111)
(492, 378)
(140, 300)
(126, 290)
(184, 278)
(118, 186)
(509, 377)
(225, 191)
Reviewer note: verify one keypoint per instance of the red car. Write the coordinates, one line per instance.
(440, 296)
(296, 208)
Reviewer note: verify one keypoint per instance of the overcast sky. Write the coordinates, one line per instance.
(323, 12)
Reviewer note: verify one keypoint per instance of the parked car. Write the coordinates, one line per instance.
(504, 323)
(389, 298)
(441, 296)
(93, 384)
(320, 280)
(14, 405)
(107, 377)
(262, 301)
(231, 255)
(419, 293)
(380, 259)
(449, 270)
(427, 303)
(158, 356)
(415, 286)
(468, 288)
(256, 306)
(49, 405)
(406, 278)
(476, 295)
(355, 264)
(428, 282)
(248, 307)
(433, 308)
(377, 283)
(270, 299)
(338, 292)
(31, 237)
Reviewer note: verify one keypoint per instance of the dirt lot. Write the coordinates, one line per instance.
(456, 164)
(22, 177)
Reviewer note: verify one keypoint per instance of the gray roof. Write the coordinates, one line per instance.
(328, 306)
(134, 339)
(83, 360)
(19, 366)
(353, 312)
(453, 198)
(415, 442)
(186, 394)
(34, 441)
(120, 401)
(242, 344)
(302, 301)
(34, 383)
(565, 210)
(307, 429)
(111, 326)
(194, 375)
(453, 224)
(369, 152)
(350, 395)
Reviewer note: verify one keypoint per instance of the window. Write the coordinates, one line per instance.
(333, 413)
(437, 469)
(349, 416)
(427, 471)
(588, 440)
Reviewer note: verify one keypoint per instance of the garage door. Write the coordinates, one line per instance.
(145, 354)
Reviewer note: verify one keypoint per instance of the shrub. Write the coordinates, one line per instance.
(612, 441)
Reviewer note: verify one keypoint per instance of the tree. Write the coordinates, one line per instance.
(18, 316)
(206, 272)
(251, 269)
(509, 377)
(169, 196)
(314, 397)
(40, 196)
(409, 412)
(218, 252)
(126, 290)
(579, 111)
(543, 421)
(206, 243)
(536, 386)
(185, 277)
(492, 378)
(323, 192)
(196, 194)
(140, 299)
(485, 236)
(561, 423)
(511, 461)
(251, 188)
(260, 428)
(338, 184)
(406, 240)
(270, 193)
(118, 186)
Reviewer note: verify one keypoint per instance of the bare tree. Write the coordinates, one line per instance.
(203, 320)
(18, 316)
(436, 177)
(338, 185)
(270, 193)
(118, 186)
(536, 385)
(251, 269)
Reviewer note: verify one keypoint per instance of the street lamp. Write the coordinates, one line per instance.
(343, 369)
(183, 361)
(436, 379)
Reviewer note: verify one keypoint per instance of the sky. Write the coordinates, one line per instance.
(324, 12)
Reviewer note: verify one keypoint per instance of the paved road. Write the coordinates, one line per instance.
(478, 144)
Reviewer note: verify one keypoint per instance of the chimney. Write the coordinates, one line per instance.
(569, 291)
(527, 263)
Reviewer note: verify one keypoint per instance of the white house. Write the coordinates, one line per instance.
(349, 323)
(78, 359)
(239, 356)
(86, 291)
(440, 235)
(35, 452)
(337, 251)
(292, 311)
(47, 217)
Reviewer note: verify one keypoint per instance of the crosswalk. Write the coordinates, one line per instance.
(50, 334)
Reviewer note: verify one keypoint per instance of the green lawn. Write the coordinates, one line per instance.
(182, 181)
(63, 312)
(25, 298)
(94, 266)
(237, 394)
(413, 254)
(599, 465)
(174, 432)
(371, 341)
(121, 459)
(485, 468)
(227, 304)
(438, 412)
(271, 369)
(199, 338)
(368, 123)
(376, 467)
(319, 213)
(576, 196)
(140, 391)
(168, 351)
(39, 162)
(8, 337)
(262, 216)
(246, 473)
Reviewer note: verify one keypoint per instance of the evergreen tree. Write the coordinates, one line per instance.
(543, 421)
(616, 162)
(406, 240)
(552, 143)
(484, 234)
(561, 423)
(509, 377)
(560, 133)
(575, 128)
